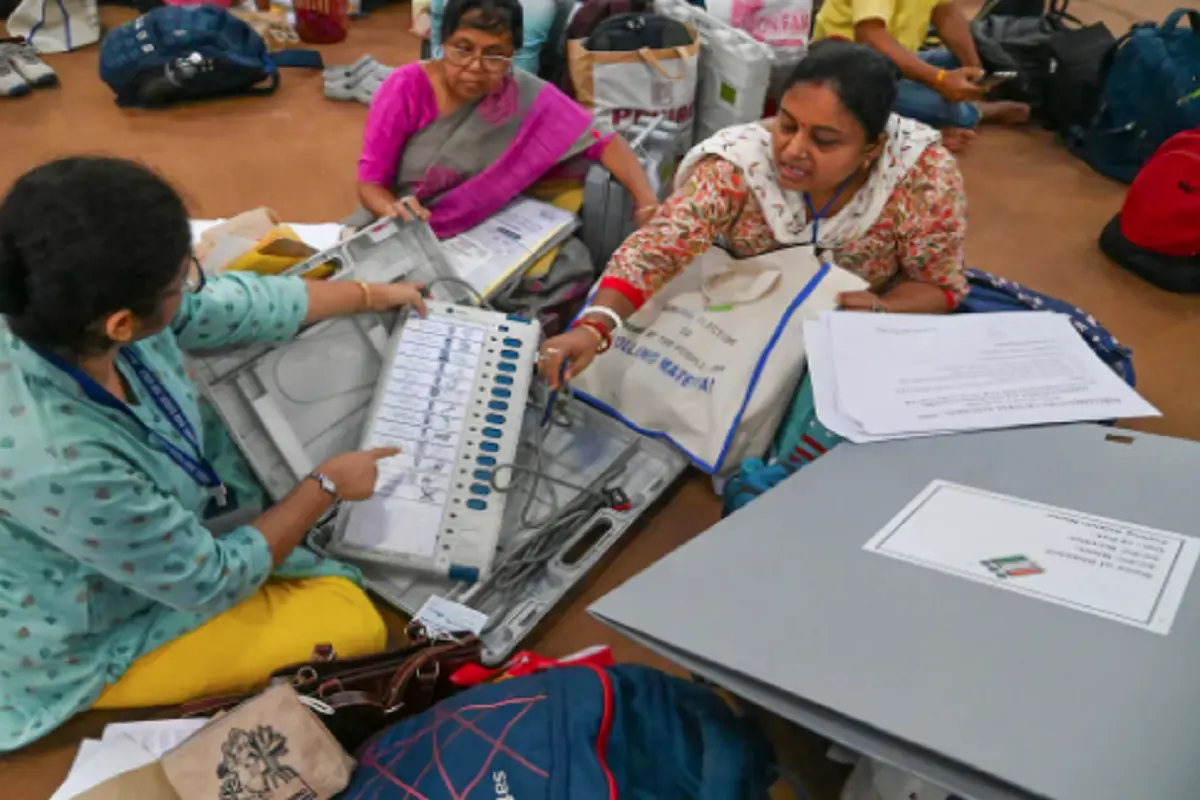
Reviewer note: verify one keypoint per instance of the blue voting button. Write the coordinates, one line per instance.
(501, 392)
(511, 342)
(475, 504)
(480, 488)
(498, 405)
(493, 433)
(495, 419)
(506, 366)
(510, 354)
(482, 474)
(489, 447)
(505, 380)
(486, 461)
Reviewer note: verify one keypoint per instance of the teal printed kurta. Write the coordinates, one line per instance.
(104, 556)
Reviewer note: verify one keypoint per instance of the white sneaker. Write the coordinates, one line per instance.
(11, 83)
(24, 59)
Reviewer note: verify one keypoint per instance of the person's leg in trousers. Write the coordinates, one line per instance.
(956, 121)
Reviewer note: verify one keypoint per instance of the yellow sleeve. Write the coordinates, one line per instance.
(874, 9)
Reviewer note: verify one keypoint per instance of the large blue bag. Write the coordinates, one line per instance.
(1151, 91)
(802, 438)
(176, 54)
(578, 732)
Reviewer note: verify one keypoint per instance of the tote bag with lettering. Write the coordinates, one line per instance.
(56, 26)
(712, 361)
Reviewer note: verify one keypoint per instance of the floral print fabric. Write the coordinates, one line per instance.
(910, 222)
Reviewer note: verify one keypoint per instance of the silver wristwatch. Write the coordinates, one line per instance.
(326, 483)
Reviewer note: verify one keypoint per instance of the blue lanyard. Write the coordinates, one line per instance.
(194, 464)
(816, 216)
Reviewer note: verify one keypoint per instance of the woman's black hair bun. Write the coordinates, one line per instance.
(14, 279)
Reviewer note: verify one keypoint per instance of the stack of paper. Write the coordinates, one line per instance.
(123, 747)
(508, 243)
(892, 376)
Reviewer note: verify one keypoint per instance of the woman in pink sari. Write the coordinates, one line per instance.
(455, 139)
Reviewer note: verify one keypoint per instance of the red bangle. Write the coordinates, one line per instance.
(597, 328)
(951, 299)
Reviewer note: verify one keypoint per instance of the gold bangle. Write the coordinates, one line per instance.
(599, 336)
(941, 76)
(366, 290)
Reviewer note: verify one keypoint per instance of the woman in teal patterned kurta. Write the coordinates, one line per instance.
(107, 565)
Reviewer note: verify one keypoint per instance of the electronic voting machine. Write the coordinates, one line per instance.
(451, 396)
(454, 514)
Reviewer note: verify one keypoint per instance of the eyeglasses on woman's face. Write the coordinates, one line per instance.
(195, 280)
(463, 56)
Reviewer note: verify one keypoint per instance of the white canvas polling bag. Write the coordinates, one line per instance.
(56, 26)
(712, 361)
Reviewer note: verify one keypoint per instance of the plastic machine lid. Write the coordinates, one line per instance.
(291, 406)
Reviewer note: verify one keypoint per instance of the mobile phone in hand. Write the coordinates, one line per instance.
(993, 79)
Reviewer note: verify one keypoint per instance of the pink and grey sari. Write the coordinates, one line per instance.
(465, 166)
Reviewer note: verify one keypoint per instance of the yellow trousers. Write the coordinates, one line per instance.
(236, 651)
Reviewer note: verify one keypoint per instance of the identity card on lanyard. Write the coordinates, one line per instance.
(193, 463)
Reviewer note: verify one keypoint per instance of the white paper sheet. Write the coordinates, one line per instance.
(99, 760)
(494, 250)
(317, 235)
(157, 737)
(823, 374)
(1117, 570)
(902, 374)
(444, 617)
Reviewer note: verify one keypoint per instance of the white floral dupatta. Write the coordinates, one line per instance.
(748, 147)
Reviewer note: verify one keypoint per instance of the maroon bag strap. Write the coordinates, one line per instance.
(383, 680)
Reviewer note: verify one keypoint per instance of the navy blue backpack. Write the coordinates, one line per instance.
(1151, 91)
(626, 732)
(176, 54)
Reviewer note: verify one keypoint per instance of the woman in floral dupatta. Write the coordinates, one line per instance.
(455, 139)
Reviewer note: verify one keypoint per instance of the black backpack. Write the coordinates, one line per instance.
(629, 32)
(1021, 44)
(1074, 82)
(1016, 8)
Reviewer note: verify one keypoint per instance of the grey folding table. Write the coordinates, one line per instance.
(988, 693)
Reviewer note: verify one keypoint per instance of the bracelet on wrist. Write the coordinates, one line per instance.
(603, 337)
(605, 312)
(366, 293)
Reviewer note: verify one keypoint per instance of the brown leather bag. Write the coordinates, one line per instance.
(358, 697)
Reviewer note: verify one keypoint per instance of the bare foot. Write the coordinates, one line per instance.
(957, 139)
(1005, 112)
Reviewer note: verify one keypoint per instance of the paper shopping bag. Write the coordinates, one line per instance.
(623, 88)
(712, 361)
(253, 241)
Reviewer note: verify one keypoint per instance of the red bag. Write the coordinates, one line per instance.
(1157, 234)
(1162, 210)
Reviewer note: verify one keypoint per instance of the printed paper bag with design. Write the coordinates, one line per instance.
(712, 361)
(269, 748)
(273, 26)
(253, 241)
(623, 88)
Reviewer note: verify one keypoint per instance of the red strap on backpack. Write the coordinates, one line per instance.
(527, 662)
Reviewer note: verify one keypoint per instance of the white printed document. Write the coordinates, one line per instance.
(1117, 570)
(887, 376)
(508, 243)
